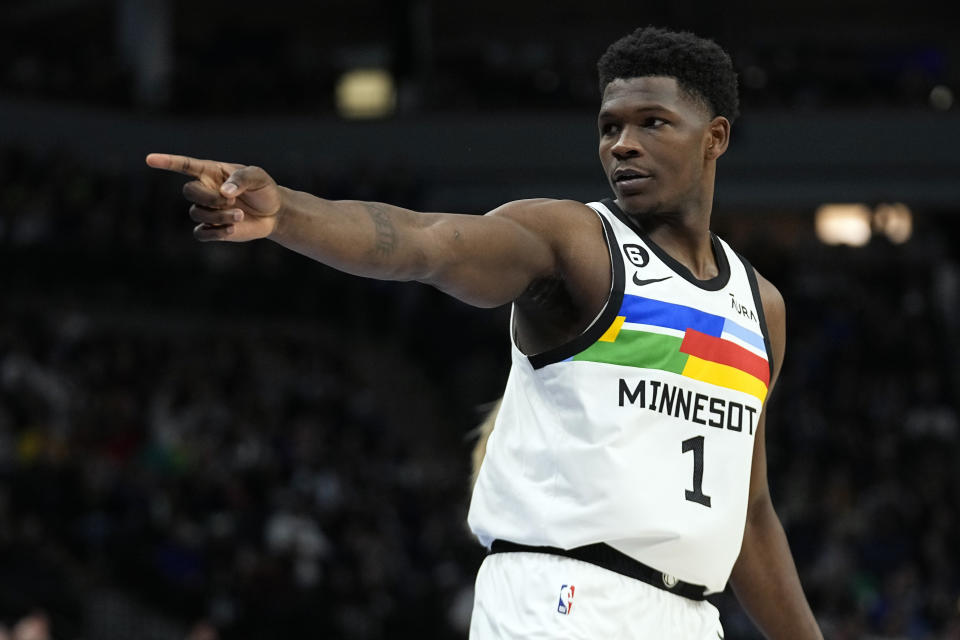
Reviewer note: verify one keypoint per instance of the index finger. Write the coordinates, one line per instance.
(182, 164)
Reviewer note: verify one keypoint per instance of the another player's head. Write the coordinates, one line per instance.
(668, 101)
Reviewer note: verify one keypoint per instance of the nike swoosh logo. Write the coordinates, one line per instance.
(637, 281)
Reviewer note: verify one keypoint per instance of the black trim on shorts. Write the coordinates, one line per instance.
(605, 556)
(603, 321)
(715, 283)
(758, 303)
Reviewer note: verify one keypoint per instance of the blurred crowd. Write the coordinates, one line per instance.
(263, 470)
(250, 445)
(504, 75)
(863, 431)
(463, 58)
(251, 474)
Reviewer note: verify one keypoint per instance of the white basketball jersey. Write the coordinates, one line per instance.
(638, 433)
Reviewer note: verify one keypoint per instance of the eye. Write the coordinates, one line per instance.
(654, 123)
(609, 129)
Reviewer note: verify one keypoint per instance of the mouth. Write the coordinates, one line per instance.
(630, 179)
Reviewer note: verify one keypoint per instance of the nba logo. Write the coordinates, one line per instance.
(566, 599)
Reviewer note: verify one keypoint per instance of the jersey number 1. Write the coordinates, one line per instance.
(697, 495)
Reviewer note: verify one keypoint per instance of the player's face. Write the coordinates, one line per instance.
(653, 142)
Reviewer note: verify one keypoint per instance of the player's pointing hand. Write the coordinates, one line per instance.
(229, 201)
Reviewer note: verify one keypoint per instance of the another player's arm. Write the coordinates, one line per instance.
(765, 577)
(483, 260)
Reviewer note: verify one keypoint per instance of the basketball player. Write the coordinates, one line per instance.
(626, 474)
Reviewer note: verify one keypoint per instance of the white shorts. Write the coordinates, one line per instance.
(538, 595)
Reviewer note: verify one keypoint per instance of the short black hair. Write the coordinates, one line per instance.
(701, 67)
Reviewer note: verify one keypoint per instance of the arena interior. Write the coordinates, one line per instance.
(206, 441)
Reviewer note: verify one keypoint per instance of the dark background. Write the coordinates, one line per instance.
(235, 441)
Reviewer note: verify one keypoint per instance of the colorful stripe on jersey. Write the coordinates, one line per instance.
(653, 334)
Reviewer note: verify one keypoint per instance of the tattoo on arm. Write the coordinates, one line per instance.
(386, 238)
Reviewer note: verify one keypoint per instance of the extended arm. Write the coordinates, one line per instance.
(483, 260)
(764, 577)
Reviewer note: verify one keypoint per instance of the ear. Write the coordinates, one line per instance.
(716, 138)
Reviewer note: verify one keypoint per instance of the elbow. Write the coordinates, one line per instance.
(416, 266)
(426, 256)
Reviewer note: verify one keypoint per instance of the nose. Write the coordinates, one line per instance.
(627, 145)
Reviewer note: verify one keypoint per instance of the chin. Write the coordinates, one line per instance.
(637, 205)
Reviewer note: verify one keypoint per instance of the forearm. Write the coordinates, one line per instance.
(367, 239)
(485, 261)
(766, 583)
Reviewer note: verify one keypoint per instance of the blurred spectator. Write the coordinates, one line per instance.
(34, 626)
(203, 631)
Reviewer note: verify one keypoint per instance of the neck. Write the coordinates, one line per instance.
(685, 233)
(690, 245)
(685, 236)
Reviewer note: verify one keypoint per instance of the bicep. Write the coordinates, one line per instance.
(490, 260)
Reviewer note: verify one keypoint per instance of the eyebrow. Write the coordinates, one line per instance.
(609, 113)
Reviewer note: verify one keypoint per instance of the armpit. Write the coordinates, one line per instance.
(547, 316)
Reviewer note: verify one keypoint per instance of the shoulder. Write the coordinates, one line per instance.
(547, 214)
(572, 229)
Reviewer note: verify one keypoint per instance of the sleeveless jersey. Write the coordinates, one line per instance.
(639, 432)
